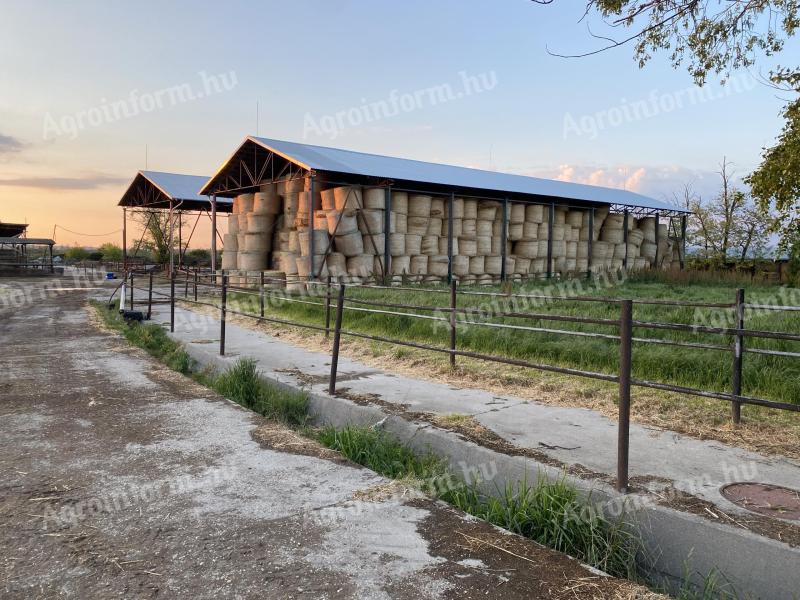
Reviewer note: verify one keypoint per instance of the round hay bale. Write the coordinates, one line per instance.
(575, 218)
(614, 221)
(460, 265)
(438, 265)
(341, 222)
(571, 265)
(230, 242)
(612, 235)
(538, 265)
(298, 184)
(476, 265)
(648, 249)
(516, 231)
(378, 268)
(291, 204)
(559, 232)
(544, 232)
(401, 265)
(328, 199)
(458, 208)
(397, 244)
(470, 209)
(347, 197)
(233, 224)
(294, 241)
(484, 244)
(467, 246)
(497, 245)
(304, 266)
(229, 259)
(572, 249)
(559, 248)
(542, 251)
(413, 244)
(430, 244)
(266, 203)
(244, 203)
(301, 221)
(469, 227)
(516, 213)
(484, 227)
(527, 249)
(370, 221)
(560, 215)
(641, 263)
(281, 187)
(493, 265)
(374, 244)
(252, 261)
(241, 239)
(497, 228)
(351, 244)
(321, 241)
(434, 226)
(583, 234)
(487, 211)
(522, 265)
(581, 265)
(400, 202)
(285, 261)
(636, 237)
(583, 250)
(511, 262)
(337, 264)
(260, 223)
(303, 200)
(443, 245)
(530, 230)
(257, 242)
(419, 205)
(601, 250)
(321, 220)
(398, 223)
(663, 231)
(458, 227)
(417, 225)
(375, 198)
(535, 213)
(437, 207)
(419, 265)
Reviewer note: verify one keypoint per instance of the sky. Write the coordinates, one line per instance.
(91, 92)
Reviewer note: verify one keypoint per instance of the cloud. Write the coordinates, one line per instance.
(9, 144)
(89, 182)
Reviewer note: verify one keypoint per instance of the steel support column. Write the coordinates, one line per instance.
(214, 234)
(387, 226)
(551, 216)
(124, 238)
(590, 242)
(683, 241)
(450, 202)
(625, 219)
(504, 240)
(312, 268)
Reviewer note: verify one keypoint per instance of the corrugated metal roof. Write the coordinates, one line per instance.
(321, 158)
(177, 186)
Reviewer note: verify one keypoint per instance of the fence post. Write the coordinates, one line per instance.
(738, 353)
(172, 301)
(186, 285)
(453, 304)
(328, 308)
(150, 297)
(623, 428)
(261, 296)
(195, 284)
(223, 313)
(337, 335)
(131, 290)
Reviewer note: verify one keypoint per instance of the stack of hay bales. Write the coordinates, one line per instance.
(347, 225)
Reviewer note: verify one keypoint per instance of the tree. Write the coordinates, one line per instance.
(197, 257)
(156, 232)
(76, 253)
(110, 252)
(717, 37)
(730, 225)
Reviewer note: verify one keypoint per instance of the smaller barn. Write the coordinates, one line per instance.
(153, 191)
(17, 250)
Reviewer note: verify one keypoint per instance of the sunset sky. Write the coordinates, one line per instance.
(68, 149)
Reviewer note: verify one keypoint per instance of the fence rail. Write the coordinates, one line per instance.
(624, 326)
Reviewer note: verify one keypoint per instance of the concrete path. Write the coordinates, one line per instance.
(121, 478)
(570, 436)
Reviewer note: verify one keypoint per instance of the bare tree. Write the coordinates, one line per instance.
(156, 232)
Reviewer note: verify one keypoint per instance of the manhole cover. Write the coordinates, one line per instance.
(765, 499)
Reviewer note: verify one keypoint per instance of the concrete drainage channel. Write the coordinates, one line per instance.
(676, 542)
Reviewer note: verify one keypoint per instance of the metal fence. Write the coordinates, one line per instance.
(334, 300)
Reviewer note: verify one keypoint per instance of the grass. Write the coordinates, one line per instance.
(771, 377)
(552, 514)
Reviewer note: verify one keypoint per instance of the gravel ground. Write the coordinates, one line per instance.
(124, 479)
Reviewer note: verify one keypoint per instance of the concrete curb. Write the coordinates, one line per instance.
(679, 544)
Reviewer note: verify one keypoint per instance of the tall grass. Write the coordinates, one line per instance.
(552, 514)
